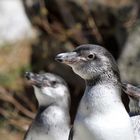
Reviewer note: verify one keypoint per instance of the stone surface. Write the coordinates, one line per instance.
(14, 24)
(129, 61)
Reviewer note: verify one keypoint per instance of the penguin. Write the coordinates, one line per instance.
(52, 121)
(101, 114)
(133, 93)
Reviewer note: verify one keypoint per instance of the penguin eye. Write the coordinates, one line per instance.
(54, 83)
(91, 56)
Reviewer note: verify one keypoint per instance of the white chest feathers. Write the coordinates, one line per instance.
(52, 124)
(102, 116)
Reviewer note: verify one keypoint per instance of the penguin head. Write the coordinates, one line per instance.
(49, 88)
(89, 61)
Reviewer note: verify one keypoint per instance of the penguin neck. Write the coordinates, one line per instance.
(107, 78)
(107, 92)
(103, 94)
(60, 115)
(42, 108)
(60, 105)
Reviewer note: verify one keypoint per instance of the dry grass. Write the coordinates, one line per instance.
(13, 59)
(115, 3)
(5, 135)
(14, 56)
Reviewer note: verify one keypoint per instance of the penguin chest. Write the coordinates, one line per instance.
(45, 134)
(102, 128)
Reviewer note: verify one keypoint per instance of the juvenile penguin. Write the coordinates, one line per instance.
(52, 121)
(133, 93)
(101, 114)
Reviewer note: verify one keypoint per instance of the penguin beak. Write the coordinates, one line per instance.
(29, 75)
(68, 58)
(130, 90)
(34, 79)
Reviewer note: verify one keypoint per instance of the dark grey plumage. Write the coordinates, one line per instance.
(101, 114)
(52, 121)
(133, 93)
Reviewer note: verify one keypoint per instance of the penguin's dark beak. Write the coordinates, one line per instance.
(29, 75)
(67, 58)
(34, 79)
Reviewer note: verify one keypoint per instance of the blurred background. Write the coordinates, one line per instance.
(32, 32)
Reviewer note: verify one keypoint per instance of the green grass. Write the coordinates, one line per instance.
(12, 78)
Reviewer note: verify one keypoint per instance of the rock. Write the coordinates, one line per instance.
(14, 24)
(129, 61)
